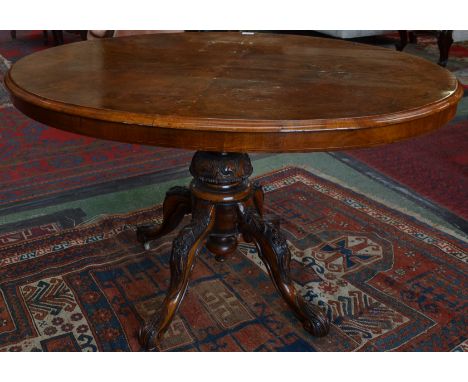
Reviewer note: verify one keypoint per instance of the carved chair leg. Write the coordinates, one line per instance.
(274, 252)
(185, 247)
(176, 205)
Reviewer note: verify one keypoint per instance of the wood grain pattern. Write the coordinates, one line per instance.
(234, 92)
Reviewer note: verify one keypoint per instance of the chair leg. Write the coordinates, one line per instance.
(444, 41)
(45, 37)
(58, 37)
(400, 45)
(13, 34)
(413, 39)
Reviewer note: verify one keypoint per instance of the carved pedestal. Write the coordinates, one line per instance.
(224, 205)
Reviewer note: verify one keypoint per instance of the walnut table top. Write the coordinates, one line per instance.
(234, 92)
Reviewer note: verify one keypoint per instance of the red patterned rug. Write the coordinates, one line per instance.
(388, 282)
(434, 165)
(38, 161)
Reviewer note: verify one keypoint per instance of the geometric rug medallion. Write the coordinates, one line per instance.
(386, 280)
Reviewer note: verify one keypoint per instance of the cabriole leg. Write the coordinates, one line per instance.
(184, 250)
(258, 197)
(176, 205)
(274, 252)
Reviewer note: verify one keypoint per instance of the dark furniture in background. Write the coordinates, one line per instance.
(57, 35)
(44, 34)
(444, 41)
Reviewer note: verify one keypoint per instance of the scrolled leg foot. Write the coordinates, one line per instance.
(176, 205)
(148, 334)
(184, 250)
(317, 323)
(274, 252)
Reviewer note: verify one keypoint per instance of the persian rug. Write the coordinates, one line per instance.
(4, 98)
(386, 280)
(435, 165)
(37, 161)
(27, 42)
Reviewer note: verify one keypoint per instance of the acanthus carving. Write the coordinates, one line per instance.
(219, 168)
(187, 238)
(274, 252)
(184, 249)
(254, 225)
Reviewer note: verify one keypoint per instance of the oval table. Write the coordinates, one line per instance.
(224, 95)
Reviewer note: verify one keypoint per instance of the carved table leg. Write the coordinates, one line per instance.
(223, 204)
(184, 249)
(274, 252)
(258, 197)
(176, 205)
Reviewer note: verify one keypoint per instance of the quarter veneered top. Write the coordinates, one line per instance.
(215, 88)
